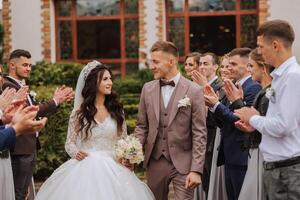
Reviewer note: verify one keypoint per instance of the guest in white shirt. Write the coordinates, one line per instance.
(280, 128)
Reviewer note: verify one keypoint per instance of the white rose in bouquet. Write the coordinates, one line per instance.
(129, 148)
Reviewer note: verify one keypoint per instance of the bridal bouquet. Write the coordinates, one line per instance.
(129, 148)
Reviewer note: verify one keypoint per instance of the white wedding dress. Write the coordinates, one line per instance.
(97, 177)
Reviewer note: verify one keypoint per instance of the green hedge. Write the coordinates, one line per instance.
(44, 79)
(55, 74)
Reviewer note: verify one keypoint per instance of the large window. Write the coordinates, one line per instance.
(211, 25)
(106, 30)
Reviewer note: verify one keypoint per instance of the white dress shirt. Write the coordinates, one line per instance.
(280, 127)
(20, 82)
(167, 90)
(242, 81)
(212, 80)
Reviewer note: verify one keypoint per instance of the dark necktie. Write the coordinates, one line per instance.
(164, 83)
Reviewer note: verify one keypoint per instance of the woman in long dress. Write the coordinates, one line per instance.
(252, 186)
(96, 122)
(7, 190)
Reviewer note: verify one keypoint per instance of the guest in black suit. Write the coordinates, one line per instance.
(206, 74)
(24, 154)
(232, 153)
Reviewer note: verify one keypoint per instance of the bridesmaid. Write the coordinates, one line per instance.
(224, 64)
(191, 63)
(252, 187)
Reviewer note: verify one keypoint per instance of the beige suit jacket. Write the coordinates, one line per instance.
(186, 127)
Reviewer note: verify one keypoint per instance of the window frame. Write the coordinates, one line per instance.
(186, 14)
(73, 18)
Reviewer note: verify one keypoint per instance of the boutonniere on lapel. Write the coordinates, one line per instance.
(32, 94)
(270, 94)
(184, 102)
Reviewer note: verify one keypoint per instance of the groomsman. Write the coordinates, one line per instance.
(171, 126)
(24, 154)
(280, 128)
(206, 74)
(231, 151)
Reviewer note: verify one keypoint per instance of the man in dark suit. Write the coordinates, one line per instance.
(24, 154)
(206, 74)
(231, 151)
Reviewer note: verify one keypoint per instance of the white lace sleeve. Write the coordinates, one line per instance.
(71, 145)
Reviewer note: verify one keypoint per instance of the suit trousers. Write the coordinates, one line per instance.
(160, 173)
(234, 178)
(23, 167)
(211, 135)
(282, 183)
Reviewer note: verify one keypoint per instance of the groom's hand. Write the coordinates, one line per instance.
(192, 180)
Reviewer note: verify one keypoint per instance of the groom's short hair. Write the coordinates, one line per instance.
(165, 46)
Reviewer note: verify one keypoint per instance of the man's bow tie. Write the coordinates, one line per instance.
(164, 83)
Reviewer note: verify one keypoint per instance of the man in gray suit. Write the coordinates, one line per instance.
(171, 126)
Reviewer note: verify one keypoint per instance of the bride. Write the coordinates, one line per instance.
(96, 122)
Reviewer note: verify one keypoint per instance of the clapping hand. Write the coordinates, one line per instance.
(210, 97)
(21, 94)
(13, 103)
(245, 127)
(232, 92)
(11, 110)
(63, 94)
(24, 121)
(6, 97)
(246, 113)
(198, 78)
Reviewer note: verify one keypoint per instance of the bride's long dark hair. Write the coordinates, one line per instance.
(88, 110)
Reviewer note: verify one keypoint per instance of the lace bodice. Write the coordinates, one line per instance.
(103, 136)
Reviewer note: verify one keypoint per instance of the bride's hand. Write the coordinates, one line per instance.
(127, 164)
(81, 155)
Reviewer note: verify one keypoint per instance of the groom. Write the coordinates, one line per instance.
(171, 126)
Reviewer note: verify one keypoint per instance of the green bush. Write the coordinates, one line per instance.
(53, 136)
(55, 74)
(44, 79)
